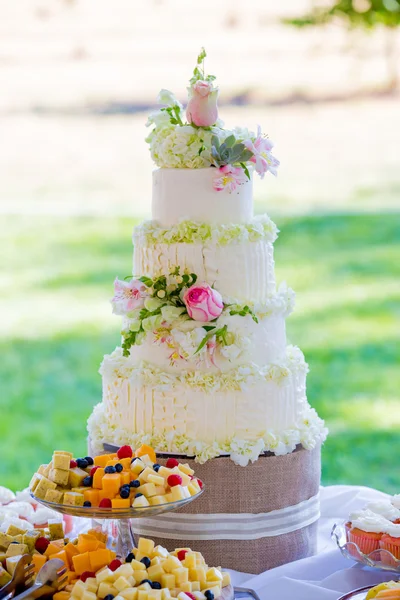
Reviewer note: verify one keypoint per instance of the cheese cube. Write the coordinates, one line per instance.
(154, 595)
(226, 579)
(168, 580)
(147, 489)
(156, 479)
(139, 576)
(164, 472)
(124, 570)
(195, 484)
(61, 461)
(157, 500)
(185, 469)
(137, 565)
(192, 489)
(195, 586)
(147, 460)
(129, 593)
(78, 589)
(16, 550)
(76, 476)
(73, 499)
(205, 585)
(177, 493)
(142, 595)
(88, 595)
(11, 563)
(165, 594)
(91, 584)
(181, 575)
(42, 487)
(141, 501)
(104, 575)
(59, 476)
(105, 589)
(160, 490)
(171, 563)
(190, 560)
(213, 574)
(155, 572)
(121, 584)
(144, 587)
(161, 552)
(111, 483)
(146, 546)
(186, 586)
(137, 466)
(143, 476)
(54, 496)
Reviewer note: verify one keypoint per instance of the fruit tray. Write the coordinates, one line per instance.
(378, 559)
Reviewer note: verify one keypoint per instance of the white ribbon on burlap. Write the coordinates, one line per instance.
(221, 526)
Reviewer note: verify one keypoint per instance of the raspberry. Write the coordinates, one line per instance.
(105, 503)
(191, 596)
(125, 452)
(73, 464)
(174, 480)
(199, 481)
(86, 574)
(41, 544)
(171, 463)
(93, 471)
(114, 564)
(181, 555)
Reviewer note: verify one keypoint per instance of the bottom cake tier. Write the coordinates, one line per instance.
(242, 413)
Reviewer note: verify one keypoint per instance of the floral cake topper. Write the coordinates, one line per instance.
(202, 141)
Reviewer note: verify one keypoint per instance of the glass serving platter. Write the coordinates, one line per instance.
(378, 559)
(117, 523)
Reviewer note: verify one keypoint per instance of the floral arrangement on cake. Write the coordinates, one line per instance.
(197, 139)
(187, 316)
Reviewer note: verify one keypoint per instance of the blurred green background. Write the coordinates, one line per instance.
(78, 80)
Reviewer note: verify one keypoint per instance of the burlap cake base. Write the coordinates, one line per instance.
(272, 483)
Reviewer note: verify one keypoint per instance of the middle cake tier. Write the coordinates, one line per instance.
(236, 259)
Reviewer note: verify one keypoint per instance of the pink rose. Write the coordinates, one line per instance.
(128, 295)
(202, 302)
(202, 107)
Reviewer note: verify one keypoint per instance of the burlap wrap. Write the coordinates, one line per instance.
(271, 483)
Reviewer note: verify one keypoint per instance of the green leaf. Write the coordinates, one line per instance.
(208, 327)
(205, 340)
(194, 278)
(146, 280)
(246, 155)
(128, 278)
(245, 169)
(201, 56)
(230, 140)
(215, 141)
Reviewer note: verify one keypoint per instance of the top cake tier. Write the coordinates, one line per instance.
(189, 194)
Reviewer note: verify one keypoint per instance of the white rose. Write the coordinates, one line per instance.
(168, 98)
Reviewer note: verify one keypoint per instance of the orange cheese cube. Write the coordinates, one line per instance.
(99, 559)
(97, 478)
(71, 576)
(38, 560)
(120, 502)
(52, 548)
(112, 462)
(102, 459)
(110, 484)
(145, 449)
(87, 543)
(81, 563)
(92, 495)
(71, 550)
(62, 556)
(125, 478)
(126, 463)
(102, 537)
(61, 595)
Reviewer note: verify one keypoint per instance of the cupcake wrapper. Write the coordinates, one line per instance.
(366, 544)
(393, 549)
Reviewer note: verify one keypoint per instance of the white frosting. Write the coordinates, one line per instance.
(372, 523)
(258, 343)
(6, 495)
(179, 193)
(385, 509)
(244, 270)
(22, 509)
(395, 500)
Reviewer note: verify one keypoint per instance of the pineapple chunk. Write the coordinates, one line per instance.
(125, 570)
(105, 589)
(171, 563)
(156, 479)
(104, 575)
(155, 573)
(185, 469)
(190, 560)
(146, 546)
(130, 593)
(140, 502)
(214, 574)
(147, 489)
(226, 579)
(137, 565)
(154, 595)
(168, 580)
(186, 586)
(181, 575)
(121, 584)
(177, 493)
(161, 551)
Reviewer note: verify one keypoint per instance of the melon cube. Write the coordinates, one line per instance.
(140, 502)
(129, 593)
(76, 476)
(38, 561)
(121, 583)
(81, 563)
(226, 579)
(120, 502)
(63, 595)
(61, 461)
(181, 575)
(105, 589)
(101, 460)
(92, 496)
(97, 478)
(99, 558)
(156, 479)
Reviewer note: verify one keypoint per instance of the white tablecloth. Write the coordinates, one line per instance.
(327, 575)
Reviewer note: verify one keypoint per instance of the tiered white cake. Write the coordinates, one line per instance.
(207, 373)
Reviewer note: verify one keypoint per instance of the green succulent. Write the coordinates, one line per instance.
(230, 152)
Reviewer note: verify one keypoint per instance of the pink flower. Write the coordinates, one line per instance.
(202, 107)
(229, 177)
(128, 295)
(203, 303)
(262, 157)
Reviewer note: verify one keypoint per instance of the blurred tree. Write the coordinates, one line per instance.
(365, 14)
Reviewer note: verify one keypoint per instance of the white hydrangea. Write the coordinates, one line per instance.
(189, 341)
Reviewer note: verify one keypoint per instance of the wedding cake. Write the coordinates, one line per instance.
(204, 369)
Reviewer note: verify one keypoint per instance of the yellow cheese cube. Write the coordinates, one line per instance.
(73, 499)
(168, 580)
(156, 479)
(121, 584)
(154, 595)
(164, 472)
(161, 552)
(142, 595)
(226, 579)
(61, 461)
(190, 560)
(145, 587)
(186, 586)
(204, 585)
(91, 584)
(124, 570)
(181, 575)
(155, 572)
(155, 561)
(171, 563)
(198, 574)
(184, 467)
(42, 487)
(78, 589)
(147, 489)
(88, 595)
(177, 493)
(146, 546)
(16, 550)
(213, 574)
(105, 589)
(195, 484)
(157, 500)
(54, 496)
(139, 576)
(137, 565)
(59, 476)
(165, 594)
(192, 489)
(143, 476)
(160, 490)
(104, 575)
(130, 593)
(195, 586)
(137, 466)
(141, 501)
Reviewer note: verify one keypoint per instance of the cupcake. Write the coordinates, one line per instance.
(391, 541)
(366, 531)
(385, 509)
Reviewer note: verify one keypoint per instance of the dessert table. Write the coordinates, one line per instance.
(327, 575)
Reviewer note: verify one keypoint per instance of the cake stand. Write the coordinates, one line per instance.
(117, 523)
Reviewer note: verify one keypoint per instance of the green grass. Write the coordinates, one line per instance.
(56, 279)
